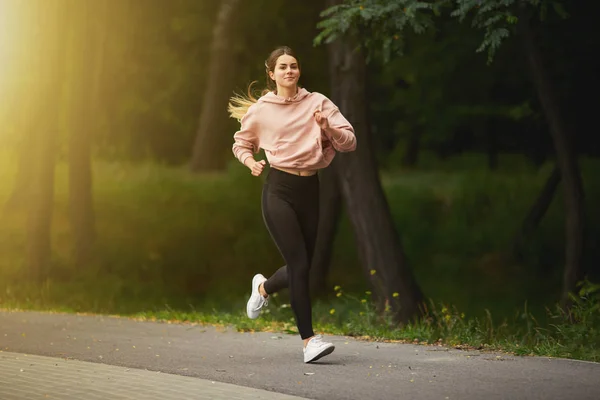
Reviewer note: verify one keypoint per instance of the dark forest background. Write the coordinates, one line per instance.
(475, 182)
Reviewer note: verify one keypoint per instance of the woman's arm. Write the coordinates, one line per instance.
(337, 128)
(246, 139)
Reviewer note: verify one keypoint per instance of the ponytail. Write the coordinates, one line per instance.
(239, 104)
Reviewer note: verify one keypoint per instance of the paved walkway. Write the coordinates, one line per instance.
(152, 360)
(24, 376)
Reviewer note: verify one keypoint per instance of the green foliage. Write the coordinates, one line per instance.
(498, 18)
(381, 23)
(441, 87)
(577, 330)
(575, 334)
(166, 229)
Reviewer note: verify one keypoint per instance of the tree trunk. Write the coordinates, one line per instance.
(23, 112)
(378, 242)
(537, 212)
(330, 212)
(20, 192)
(567, 164)
(45, 134)
(40, 213)
(88, 60)
(209, 151)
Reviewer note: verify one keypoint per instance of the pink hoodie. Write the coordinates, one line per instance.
(286, 129)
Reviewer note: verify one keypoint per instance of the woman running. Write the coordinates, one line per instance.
(300, 132)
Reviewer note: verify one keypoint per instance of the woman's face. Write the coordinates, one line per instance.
(286, 72)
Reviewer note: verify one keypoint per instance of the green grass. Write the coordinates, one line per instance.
(177, 246)
(574, 335)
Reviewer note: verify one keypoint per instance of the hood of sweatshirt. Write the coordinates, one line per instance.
(273, 98)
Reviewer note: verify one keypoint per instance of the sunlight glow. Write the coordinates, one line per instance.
(8, 25)
(17, 21)
(11, 58)
(13, 25)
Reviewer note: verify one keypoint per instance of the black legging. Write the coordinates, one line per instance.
(290, 206)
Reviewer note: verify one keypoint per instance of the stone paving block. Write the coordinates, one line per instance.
(25, 376)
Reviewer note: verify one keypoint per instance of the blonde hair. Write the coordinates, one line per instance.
(239, 104)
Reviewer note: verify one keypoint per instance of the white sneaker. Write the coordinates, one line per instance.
(256, 301)
(317, 348)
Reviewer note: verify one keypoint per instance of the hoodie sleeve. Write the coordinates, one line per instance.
(246, 139)
(340, 131)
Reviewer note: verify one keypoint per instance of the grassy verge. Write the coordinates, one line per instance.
(575, 335)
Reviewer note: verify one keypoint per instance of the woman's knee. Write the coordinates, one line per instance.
(298, 280)
(298, 270)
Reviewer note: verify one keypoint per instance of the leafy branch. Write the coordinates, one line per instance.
(380, 24)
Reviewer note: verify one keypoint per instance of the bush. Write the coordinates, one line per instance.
(189, 237)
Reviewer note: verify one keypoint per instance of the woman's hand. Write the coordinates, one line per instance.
(256, 167)
(321, 120)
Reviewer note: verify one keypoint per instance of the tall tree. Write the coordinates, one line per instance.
(386, 21)
(87, 48)
(17, 106)
(211, 140)
(379, 246)
(22, 184)
(500, 19)
(566, 161)
(536, 212)
(48, 82)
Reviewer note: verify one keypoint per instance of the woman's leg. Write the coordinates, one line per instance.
(286, 230)
(277, 282)
(306, 206)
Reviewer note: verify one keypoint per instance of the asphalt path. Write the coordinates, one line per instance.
(273, 361)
